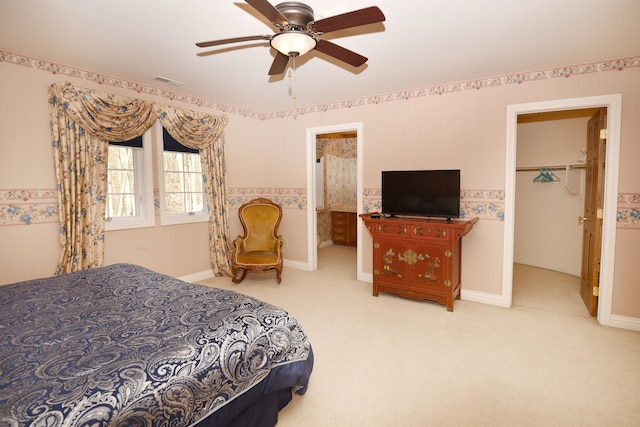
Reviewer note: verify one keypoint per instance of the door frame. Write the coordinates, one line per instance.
(613, 103)
(312, 218)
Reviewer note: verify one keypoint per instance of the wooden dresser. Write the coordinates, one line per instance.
(344, 228)
(417, 258)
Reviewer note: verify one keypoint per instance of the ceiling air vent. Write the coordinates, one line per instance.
(167, 80)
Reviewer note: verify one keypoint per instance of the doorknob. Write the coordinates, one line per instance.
(581, 220)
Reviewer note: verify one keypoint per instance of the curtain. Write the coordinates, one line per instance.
(204, 132)
(82, 122)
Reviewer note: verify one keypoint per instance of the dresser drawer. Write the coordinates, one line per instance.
(339, 230)
(343, 228)
(339, 222)
(339, 216)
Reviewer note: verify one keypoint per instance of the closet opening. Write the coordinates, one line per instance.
(551, 163)
(606, 215)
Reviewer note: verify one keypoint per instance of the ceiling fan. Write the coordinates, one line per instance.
(299, 33)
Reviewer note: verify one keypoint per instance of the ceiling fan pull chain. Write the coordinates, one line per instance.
(292, 79)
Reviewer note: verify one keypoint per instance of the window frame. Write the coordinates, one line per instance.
(143, 178)
(174, 218)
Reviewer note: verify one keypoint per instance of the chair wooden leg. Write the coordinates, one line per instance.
(279, 275)
(244, 274)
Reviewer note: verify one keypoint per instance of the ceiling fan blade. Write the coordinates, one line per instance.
(268, 11)
(233, 40)
(339, 52)
(369, 15)
(279, 64)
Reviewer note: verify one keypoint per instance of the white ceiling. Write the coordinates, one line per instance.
(422, 43)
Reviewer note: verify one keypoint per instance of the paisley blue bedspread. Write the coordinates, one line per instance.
(123, 345)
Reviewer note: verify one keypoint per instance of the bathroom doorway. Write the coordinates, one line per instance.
(337, 138)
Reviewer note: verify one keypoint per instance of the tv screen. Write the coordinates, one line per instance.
(430, 193)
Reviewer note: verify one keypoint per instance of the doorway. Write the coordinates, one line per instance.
(613, 103)
(336, 189)
(312, 189)
(550, 197)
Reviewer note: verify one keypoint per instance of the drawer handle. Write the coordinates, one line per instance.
(447, 253)
(447, 283)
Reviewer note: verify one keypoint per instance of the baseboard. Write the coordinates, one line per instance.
(481, 297)
(298, 265)
(197, 277)
(365, 277)
(547, 266)
(208, 274)
(623, 322)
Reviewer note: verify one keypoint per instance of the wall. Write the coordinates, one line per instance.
(467, 129)
(547, 233)
(462, 128)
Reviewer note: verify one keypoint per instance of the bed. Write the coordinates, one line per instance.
(123, 345)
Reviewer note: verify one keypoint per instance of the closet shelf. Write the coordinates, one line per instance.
(557, 167)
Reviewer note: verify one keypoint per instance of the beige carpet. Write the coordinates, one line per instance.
(389, 361)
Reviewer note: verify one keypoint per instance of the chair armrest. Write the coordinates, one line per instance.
(238, 245)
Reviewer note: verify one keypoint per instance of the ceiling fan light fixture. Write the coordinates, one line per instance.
(293, 43)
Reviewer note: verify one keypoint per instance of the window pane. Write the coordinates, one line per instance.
(192, 163)
(120, 157)
(174, 202)
(183, 183)
(121, 199)
(193, 182)
(172, 161)
(121, 205)
(173, 182)
(121, 181)
(194, 202)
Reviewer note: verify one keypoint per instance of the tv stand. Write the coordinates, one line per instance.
(417, 258)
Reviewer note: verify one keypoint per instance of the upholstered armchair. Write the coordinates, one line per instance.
(260, 247)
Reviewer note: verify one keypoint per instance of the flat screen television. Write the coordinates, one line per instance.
(428, 193)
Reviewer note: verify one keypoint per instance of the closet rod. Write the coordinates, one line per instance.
(555, 168)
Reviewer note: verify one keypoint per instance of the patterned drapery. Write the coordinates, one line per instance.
(82, 122)
(204, 132)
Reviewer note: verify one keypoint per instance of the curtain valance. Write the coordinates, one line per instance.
(119, 118)
(107, 116)
(191, 128)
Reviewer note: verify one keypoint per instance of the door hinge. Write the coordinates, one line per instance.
(596, 291)
(599, 213)
(603, 134)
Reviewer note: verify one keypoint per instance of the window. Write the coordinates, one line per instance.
(129, 201)
(181, 186)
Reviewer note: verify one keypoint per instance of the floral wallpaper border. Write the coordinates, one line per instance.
(483, 204)
(288, 198)
(618, 64)
(40, 206)
(24, 207)
(628, 210)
